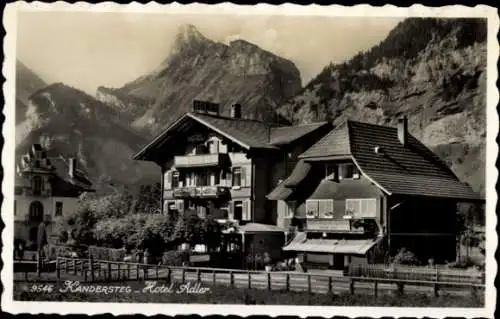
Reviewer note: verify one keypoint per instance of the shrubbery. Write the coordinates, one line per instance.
(132, 222)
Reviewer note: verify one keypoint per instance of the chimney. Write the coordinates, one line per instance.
(403, 131)
(236, 111)
(72, 167)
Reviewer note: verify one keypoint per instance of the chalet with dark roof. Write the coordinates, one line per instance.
(224, 166)
(47, 185)
(364, 191)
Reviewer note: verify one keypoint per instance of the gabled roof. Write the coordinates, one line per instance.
(288, 134)
(333, 144)
(247, 133)
(397, 169)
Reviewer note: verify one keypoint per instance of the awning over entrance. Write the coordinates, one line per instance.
(332, 246)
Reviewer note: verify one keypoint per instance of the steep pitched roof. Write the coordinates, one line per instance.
(334, 143)
(287, 134)
(254, 134)
(247, 133)
(410, 170)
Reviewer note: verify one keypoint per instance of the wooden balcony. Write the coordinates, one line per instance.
(201, 192)
(332, 225)
(202, 160)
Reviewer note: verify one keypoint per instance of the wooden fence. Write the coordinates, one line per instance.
(435, 273)
(90, 270)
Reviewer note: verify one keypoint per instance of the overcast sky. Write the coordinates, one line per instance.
(87, 50)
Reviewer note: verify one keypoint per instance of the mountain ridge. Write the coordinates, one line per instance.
(199, 68)
(436, 78)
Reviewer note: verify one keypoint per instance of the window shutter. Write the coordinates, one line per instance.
(369, 208)
(243, 176)
(229, 178)
(180, 206)
(168, 180)
(247, 210)
(230, 210)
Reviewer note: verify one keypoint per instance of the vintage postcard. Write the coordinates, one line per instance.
(225, 159)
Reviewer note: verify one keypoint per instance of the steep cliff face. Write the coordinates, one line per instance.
(199, 68)
(68, 121)
(433, 71)
(27, 82)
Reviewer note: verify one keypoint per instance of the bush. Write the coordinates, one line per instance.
(405, 257)
(175, 258)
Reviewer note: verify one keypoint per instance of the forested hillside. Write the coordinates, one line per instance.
(432, 70)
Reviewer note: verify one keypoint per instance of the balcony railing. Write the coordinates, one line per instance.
(201, 160)
(201, 192)
(333, 225)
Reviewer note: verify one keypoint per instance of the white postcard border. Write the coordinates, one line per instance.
(8, 131)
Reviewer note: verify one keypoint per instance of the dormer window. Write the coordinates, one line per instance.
(331, 172)
(37, 185)
(348, 171)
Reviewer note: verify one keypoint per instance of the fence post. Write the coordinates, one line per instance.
(183, 278)
(214, 277)
(249, 280)
(128, 271)
(269, 281)
(330, 285)
(436, 286)
(169, 275)
(84, 270)
(309, 290)
(109, 271)
(400, 288)
(146, 271)
(287, 282)
(119, 272)
(376, 288)
(156, 272)
(91, 266)
(66, 265)
(38, 263)
(58, 270)
(351, 286)
(198, 275)
(74, 266)
(137, 274)
(231, 279)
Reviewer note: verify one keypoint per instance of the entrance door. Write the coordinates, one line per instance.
(338, 261)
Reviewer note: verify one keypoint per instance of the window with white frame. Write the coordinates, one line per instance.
(361, 207)
(236, 176)
(312, 209)
(322, 208)
(325, 208)
(331, 172)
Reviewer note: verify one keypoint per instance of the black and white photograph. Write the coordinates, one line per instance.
(173, 158)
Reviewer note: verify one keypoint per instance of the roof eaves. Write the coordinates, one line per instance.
(388, 192)
(156, 140)
(216, 129)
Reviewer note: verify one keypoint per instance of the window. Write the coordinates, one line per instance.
(59, 208)
(18, 190)
(322, 208)
(237, 176)
(331, 172)
(37, 185)
(36, 212)
(362, 208)
(15, 207)
(349, 171)
(312, 209)
(238, 210)
(214, 178)
(325, 208)
(175, 179)
(202, 178)
(213, 147)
